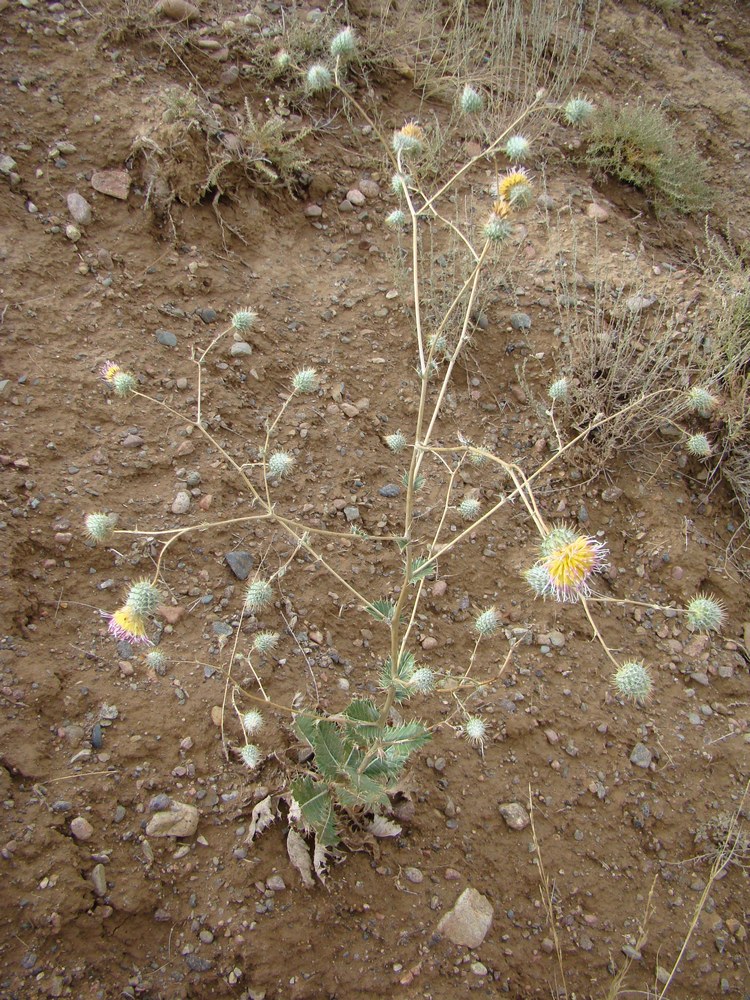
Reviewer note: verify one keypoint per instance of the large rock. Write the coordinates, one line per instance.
(469, 921)
(113, 183)
(180, 820)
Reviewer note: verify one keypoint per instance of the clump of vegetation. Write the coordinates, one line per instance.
(638, 145)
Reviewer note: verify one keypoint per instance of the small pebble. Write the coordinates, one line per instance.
(181, 503)
(81, 828)
(166, 338)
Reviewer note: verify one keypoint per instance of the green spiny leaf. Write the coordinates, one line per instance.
(316, 805)
(381, 611)
(360, 790)
(421, 567)
(323, 737)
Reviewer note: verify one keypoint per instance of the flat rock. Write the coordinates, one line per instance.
(113, 183)
(469, 921)
(514, 815)
(166, 337)
(178, 10)
(313, 211)
(240, 564)
(369, 188)
(597, 212)
(79, 208)
(640, 755)
(240, 349)
(520, 321)
(181, 502)
(180, 820)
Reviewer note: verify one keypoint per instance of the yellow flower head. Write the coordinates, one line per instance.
(501, 209)
(109, 370)
(515, 188)
(127, 624)
(413, 131)
(570, 565)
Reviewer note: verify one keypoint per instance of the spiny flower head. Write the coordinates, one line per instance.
(244, 320)
(705, 613)
(408, 139)
(559, 535)
(487, 622)
(422, 680)
(577, 111)
(471, 102)
(558, 391)
(305, 380)
(319, 78)
(282, 61)
(698, 445)
(100, 527)
(475, 731)
(258, 595)
(127, 624)
(517, 148)
(250, 755)
(701, 401)
(280, 464)
(156, 659)
(143, 598)
(108, 371)
(470, 508)
(123, 383)
(538, 580)
(400, 184)
(633, 681)
(252, 721)
(571, 564)
(497, 228)
(396, 441)
(264, 642)
(344, 45)
(396, 219)
(515, 188)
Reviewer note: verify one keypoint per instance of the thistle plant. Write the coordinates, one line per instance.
(351, 754)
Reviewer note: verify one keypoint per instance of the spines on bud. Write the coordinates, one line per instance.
(705, 614)
(475, 731)
(100, 527)
(252, 722)
(344, 45)
(396, 441)
(409, 139)
(698, 446)
(250, 755)
(422, 680)
(538, 580)
(143, 598)
(701, 401)
(258, 595)
(244, 320)
(487, 622)
(156, 659)
(578, 111)
(396, 219)
(633, 681)
(558, 391)
(305, 380)
(319, 79)
(517, 148)
(280, 464)
(264, 642)
(471, 101)
(470, 508)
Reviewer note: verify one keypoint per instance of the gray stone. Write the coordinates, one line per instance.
(81, 829)
(208, 315)
(180, 820)
(240, 564)
(79, 208)
(640, 755)
(158, 802)
(98, 878)
(7, 164)
(181, 503)
(275, 883)
(166, 337)
(638, 303)
(197, 964)
(520, 321)
(113, 183)
(469, 921)
(351, 513)
(240, 349)
(514, 815)
(390, 490)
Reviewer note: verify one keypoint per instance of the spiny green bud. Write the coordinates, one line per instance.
(470, 508)
(487, 622)
(517, 148)
(305, 380)
(577, 111)
(156, 660)
(699, 446)
(282, 61)
(559, 536)
(472, 102)
(124, 384)
(496, 230)
(344, 45)
(705, 614)
(280, 464)
(100, 527)
(633, 681)
(422, 680)
(478, 458)
(264, 642)
(396, 219)
(250, 755)
(475, 731)
(400, 184)
(558, 391)
(701, 401)
(143, 598)
(258, 595)
(319, 79)
(244, 320)
(408, 139)
(538, 580)
(396, 442)
(418, 481)
(252, 721)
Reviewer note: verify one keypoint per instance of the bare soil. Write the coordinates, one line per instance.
(88, 731)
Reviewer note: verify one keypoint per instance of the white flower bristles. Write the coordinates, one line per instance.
(577, 111)
(487, 622)
(396, 219)
(344, 45)
(252, 722)
(471, 101)
(264, 642)
(517, 148)
(409, 139)
(422, 680)
(244, 320)
(571, 564)
(475, 731)
(396, 441)
(558, 391)
(143, 598)
(250, 755)
(701, 401)
(633, 681)
(538, 580)
(100, 527)
(258, 595)
(699, 446)
(319, 79)
(470, 508)
(705, 614)
(280, 464)
(305, 380)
